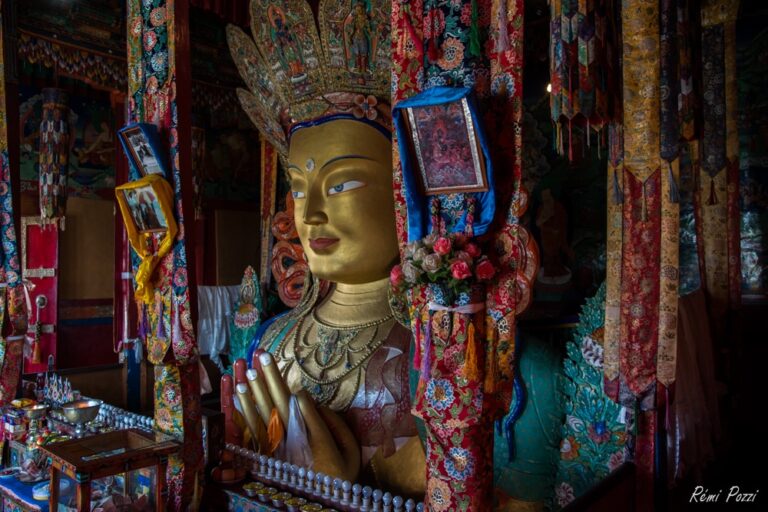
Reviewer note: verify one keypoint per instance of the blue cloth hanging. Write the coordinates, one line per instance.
(417, 204)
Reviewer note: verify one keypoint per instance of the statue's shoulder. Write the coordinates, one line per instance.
(271, 332)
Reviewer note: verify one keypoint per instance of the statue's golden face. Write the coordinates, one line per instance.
(341, 180)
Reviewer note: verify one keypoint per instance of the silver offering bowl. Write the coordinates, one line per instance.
(36, 412)
(81, 412)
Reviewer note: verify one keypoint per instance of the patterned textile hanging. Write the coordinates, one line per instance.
(643, 227)
(583, 68)
(643, 246)
(13, 313)
(719, 172)
(54, 154)
(166, 326)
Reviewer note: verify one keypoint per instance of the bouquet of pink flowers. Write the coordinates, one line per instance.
(454, 262)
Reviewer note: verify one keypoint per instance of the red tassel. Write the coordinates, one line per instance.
(417, 341)
(432, 52)
(712, 195)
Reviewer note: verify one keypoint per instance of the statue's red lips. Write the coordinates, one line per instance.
(318, 244)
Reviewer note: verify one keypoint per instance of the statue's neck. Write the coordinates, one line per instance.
(354, 304)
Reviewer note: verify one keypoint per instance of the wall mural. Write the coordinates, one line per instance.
(92, 146)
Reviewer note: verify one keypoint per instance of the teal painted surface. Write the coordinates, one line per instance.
(530, 475)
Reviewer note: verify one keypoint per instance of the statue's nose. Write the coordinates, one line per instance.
(314, 213)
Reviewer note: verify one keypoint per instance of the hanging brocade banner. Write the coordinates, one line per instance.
(54, 154)
(643, 227)
(641, 302)
(13, 314)
(718, 206)
(583, 68)
(166, 325)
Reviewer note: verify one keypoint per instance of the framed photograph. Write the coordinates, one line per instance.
(145, 209)
(141, 145)
(146, 205)
(447, 149)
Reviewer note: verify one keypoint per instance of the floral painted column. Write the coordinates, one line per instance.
(159, 92)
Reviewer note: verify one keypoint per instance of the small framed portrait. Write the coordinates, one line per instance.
(145, 209)
(146, 205)
(141, 144)
(445, 142)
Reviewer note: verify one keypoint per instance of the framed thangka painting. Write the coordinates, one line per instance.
(444, 141)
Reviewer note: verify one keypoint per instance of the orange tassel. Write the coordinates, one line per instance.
(37, 358)
(471, 363)
(275, 431)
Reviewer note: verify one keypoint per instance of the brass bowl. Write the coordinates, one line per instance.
(81, 411)
(35, 412)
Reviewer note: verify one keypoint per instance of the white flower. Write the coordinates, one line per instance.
(592, 352)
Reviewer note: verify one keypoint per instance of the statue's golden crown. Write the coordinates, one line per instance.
(296, 74)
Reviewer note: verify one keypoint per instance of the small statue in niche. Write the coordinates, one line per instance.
(552, 221)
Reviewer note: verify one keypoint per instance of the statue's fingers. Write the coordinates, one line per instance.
(345, 439)
(276, 386)
(260, 393)
(251, 416)
(325, 454)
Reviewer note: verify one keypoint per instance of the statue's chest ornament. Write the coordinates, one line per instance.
(328, 356)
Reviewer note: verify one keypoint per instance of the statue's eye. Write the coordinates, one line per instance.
(345, 187)
(297, 195)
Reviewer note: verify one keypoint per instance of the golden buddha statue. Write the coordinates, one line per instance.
(344, 355)
(341, 354)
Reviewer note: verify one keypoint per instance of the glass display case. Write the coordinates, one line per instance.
(124, 467)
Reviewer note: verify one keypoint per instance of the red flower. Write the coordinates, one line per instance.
(396, 276)
(485, 270)
(473, 250)
(442, 246)
(460, 270)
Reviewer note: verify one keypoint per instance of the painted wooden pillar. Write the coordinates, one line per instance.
(159, 92)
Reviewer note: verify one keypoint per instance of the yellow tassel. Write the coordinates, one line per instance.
(275, 431)
(491, 364)
(471, 364)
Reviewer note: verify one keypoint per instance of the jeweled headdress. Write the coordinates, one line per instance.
(296, 75)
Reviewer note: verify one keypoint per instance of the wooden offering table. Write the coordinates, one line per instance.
(103, 455)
